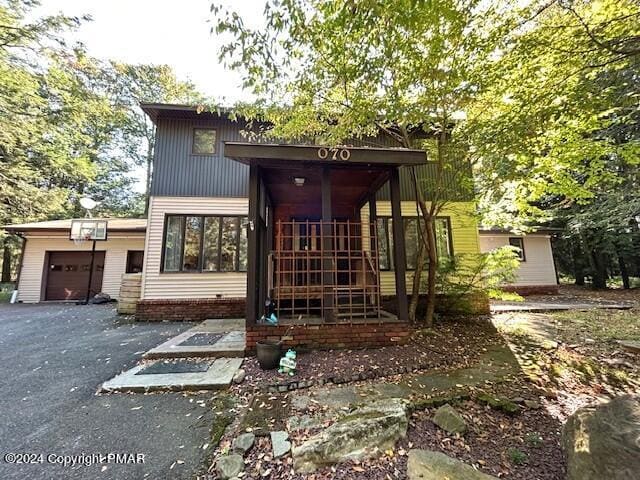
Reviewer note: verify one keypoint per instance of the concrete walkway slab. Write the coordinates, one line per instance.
(218, 376)
(496, 365)
(535, 306)
(231, 343)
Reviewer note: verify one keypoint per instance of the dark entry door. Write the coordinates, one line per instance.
(68, 275)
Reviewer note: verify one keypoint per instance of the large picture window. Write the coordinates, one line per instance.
(412, 239)
(194, 243)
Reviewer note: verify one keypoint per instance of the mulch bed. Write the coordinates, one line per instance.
(493, 439)
(521, 446)
(456, 343)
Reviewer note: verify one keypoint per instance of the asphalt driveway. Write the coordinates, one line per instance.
(53, 358)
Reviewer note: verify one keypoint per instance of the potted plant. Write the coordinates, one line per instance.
(270, 351)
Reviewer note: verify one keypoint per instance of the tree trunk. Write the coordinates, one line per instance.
(599, 270)
(624, 273)
(578, 270)
(417, 274)
(147, 191)
(147, 188)
(6, 262)
(433, 269)
(429, 244)
(635, 241)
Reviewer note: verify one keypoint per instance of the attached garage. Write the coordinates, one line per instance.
(67, 275)
(54, 268)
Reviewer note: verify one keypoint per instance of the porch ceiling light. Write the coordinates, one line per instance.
(299, 181)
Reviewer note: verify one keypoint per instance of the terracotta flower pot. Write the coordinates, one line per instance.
(269, 353)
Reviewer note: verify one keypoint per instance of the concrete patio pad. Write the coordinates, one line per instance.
(227, 340)
(218, 376)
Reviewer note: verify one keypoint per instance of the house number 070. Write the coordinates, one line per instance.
(334, 153)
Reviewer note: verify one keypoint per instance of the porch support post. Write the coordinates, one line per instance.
(252, 246)
(373, 214)
(327, 261)
(399, 255)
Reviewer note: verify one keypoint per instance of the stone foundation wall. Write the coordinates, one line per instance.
(189, 310)
(331, 335)
(525, 290)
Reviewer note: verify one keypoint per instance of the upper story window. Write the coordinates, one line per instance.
(518, 242)
(194, 243)
(204, 141)
(412, 239)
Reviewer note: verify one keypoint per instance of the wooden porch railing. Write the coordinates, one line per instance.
(340, 273)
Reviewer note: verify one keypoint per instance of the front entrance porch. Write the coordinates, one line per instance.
(313, 257)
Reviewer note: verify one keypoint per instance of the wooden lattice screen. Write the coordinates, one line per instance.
(307, 271)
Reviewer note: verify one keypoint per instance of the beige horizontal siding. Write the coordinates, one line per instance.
(156, 285)
(115, 262)
(538, 267)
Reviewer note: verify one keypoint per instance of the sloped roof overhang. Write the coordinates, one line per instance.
(273, 154)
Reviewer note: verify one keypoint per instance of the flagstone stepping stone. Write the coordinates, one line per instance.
(176, 366)
(337, 398)
(603, 441)
(243, 443)
(630, 345)
(280, 443)
(430, 465)
(304, 422)
(362, 433)
(175, 375)
(449, 420)
(229, 466)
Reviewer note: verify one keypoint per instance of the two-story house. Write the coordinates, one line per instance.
(312, 234)
(325, 239)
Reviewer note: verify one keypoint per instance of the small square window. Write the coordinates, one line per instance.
(204, 141)
(518, 242)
